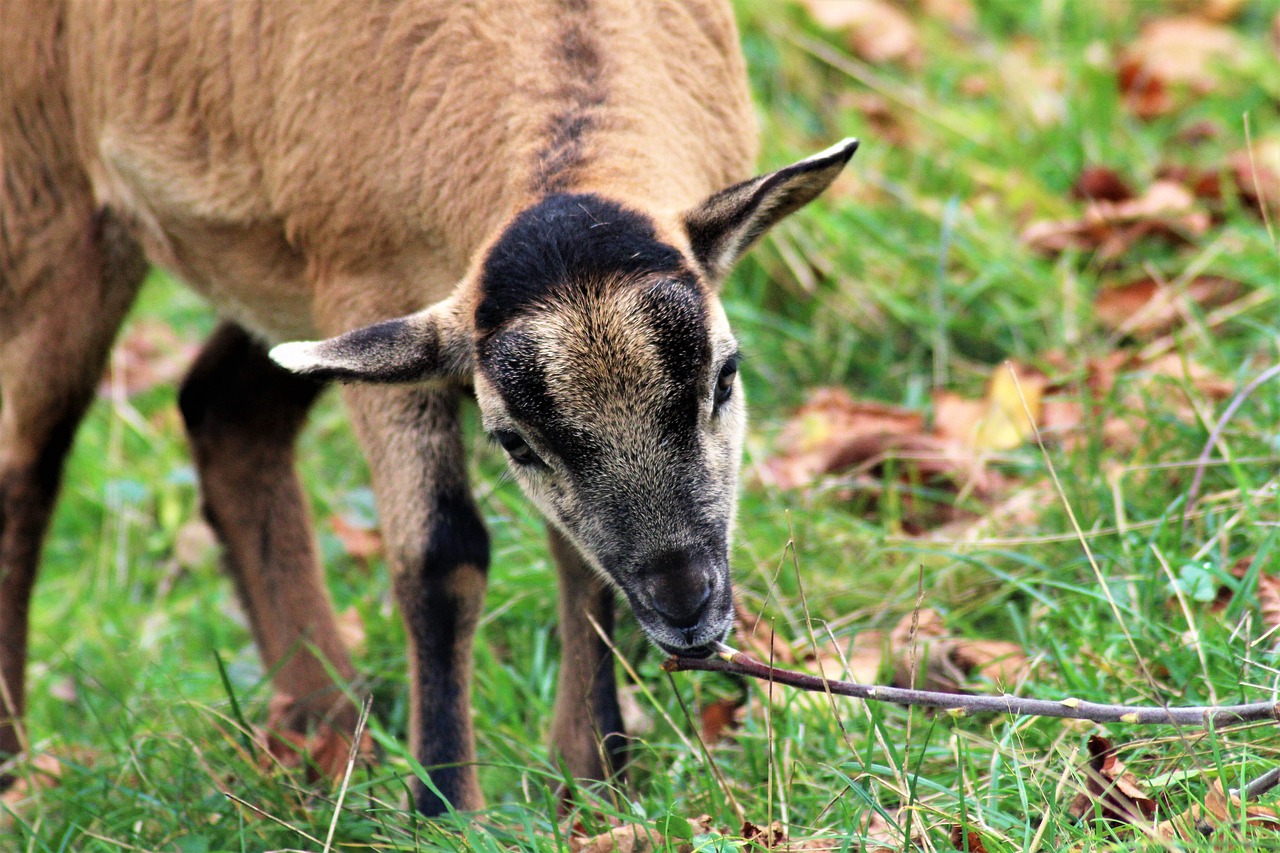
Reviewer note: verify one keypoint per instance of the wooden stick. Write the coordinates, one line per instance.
(959, 704)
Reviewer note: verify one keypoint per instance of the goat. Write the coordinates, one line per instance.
(536, 200)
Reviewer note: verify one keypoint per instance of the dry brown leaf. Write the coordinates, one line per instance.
(636, 719)
(629, 838)
(1204, 184)
(881, 836)
(857, 660)
(882, 120)
(1171, 56)
(194, 544)
(1099, 183)
(966, 839)
(1218, 810)
(771, 837)
(1032, 82)
(351, 629)
(958, 13)
(1167, 210)
(926, 658)
(999, 421)
(324, 751)
(1111, 793)
(876, 30)
(815, 435)
(361, 543)
(1213, 10)
(1256, 172)
(1269, 602)
(718, 718)
(758, 636)
(1146, 307)
(40, 774)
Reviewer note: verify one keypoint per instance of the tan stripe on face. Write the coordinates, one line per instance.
(601, 363)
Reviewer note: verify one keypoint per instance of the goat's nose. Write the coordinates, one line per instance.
(685, 612)
(679, 587)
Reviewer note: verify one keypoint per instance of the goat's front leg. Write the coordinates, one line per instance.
(439, 553)
(586, 731)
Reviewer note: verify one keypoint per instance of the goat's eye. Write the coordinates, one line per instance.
(517, 448)
(724, 383)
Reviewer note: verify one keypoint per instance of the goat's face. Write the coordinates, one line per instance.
(606, 370)
(604, 366)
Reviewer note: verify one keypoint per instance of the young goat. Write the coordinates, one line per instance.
(547, 177)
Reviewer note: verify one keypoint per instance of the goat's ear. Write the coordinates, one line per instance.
(724, 226)
(432, 344)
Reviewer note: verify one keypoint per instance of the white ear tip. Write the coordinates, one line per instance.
(297, 356)
(844, 148)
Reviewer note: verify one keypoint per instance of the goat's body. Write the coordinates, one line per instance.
(266, 155)
(545, 172)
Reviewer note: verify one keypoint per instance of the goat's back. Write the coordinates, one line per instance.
(325, 134)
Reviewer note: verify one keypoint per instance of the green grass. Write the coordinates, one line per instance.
(908, 276)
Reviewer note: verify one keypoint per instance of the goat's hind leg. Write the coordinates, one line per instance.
(67, 279)
(243, 413)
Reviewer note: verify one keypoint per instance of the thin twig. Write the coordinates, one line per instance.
(1261, 785)
(1216, 433)
(737, 663)
(346, 776)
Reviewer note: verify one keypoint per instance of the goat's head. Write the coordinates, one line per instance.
(604, 366)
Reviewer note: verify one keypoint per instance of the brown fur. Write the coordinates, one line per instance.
(313, 167)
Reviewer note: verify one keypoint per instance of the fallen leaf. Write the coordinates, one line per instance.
(361, 543)
(1256, 173)
(1219, 810)
(1146, 307)
(323, 751)
(1213, 10)
(718, 718)
(858, 660)
(1033, 83)
(926, 658)
(758, 636)
(1204, 184)
(1269, 603)
(195, 544)
(1111, 793)
(965, 839)
(41, 773)
(1173, 56)
(880, 117)
(876, 30)
(351, 629)
(1166, 210)
(999, 421)
(771, 837)
(812, 443)
(636, 720)
(1099, 183)
(960, 14)
(629, 838)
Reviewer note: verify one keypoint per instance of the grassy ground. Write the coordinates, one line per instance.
(910, 276)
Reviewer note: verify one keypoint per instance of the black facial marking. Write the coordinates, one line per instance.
(511, 362)
(678, 319)
(567, 240)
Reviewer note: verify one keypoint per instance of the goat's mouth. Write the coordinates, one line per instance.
(703, 651)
